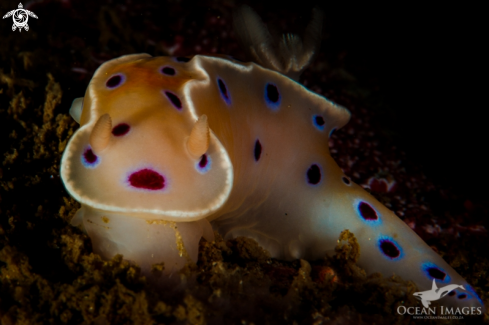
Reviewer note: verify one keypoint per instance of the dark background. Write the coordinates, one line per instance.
(430, 68)
(424, 66)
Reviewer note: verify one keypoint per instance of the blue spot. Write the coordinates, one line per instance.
(433, 271)
(367, 213)
(204, 164)
(115, 81)
(89, 159)
(318, 122)
(314, 174)
(473, 293)
(390, 248)
(272, 96)
(224, 91)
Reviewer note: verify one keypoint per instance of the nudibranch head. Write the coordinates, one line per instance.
(141, 148)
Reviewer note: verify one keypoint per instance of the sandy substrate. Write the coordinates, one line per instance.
(48, 272)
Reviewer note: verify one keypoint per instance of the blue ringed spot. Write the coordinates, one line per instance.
(115, 81)
(318, 122)
(272, 96)
(367, 212)
(224, 91)
(257, 150)
(174, 100)
(314, 174)
(89, 158)
(433, 271)
(389, 248)
(204, 164)
(169, 71)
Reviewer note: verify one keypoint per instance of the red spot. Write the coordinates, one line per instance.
(436, 273)
(147, 179)
(389, 249)
(89, 156)
(120, 129)
(203, 161)
(367, 212)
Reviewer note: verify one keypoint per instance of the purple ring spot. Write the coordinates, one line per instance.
(115, 81)
(204, 164)
(120, 129)
(451, 293)
(462, 296)
(203, 161)
(174, 100)
(89, 158)
(224, 91)
(257, 151)
(367, 212)
(147, 179)
(314, 174)
(436, 273)
(272, 96)
(432, 271)
(318, 122)
(390, 248)
(169, 71)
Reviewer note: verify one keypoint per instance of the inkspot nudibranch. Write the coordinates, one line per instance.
(167, 146)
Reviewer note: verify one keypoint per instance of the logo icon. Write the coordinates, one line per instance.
(20, 17)
(435, 293)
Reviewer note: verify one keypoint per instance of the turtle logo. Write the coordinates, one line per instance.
(20, 17)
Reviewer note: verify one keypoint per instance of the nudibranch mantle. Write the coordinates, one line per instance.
(166, 146)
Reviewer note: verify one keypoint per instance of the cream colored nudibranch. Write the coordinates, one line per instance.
(167, 145)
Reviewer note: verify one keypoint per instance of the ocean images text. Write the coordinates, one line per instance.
(402, 310)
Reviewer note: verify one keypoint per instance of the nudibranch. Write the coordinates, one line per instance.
(169, 145)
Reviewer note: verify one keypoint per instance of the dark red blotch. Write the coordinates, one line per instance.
(89, 156)
(120, 129)
(367, 212)
(203, 161)
(147, 179)
(436, 273)
(389, 249)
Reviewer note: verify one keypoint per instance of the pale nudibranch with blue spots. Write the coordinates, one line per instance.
(169, 149)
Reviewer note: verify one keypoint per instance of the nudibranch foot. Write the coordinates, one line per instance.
(144, 242)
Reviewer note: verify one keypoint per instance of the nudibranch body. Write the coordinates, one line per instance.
(167, 145)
